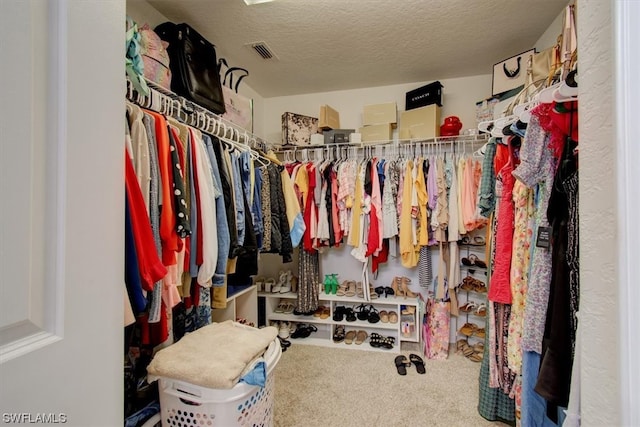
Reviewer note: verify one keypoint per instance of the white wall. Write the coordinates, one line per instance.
(600, 373)
(142, 12)
(459, 98)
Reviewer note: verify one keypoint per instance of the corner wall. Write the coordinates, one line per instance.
(599, 247)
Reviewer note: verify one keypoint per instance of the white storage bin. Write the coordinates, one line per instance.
(187, 405)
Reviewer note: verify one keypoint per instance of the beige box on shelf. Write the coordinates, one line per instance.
(423, 122)
(381, 132)
(329, 118)
(377, 114)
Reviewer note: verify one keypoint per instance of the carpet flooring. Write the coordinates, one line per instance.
(319, 386)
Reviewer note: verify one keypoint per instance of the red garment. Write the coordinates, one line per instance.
(557, 123)
(501, 158)
(500, 287)
(382, 257)
(168, 233)
(309, 208)
(149, 264)
(199, 253)
(374, 231)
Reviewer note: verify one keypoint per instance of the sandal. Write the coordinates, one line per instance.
(417, 360)
(361, 337)
(387, 343)
(351, 289)
(473, 260)
(318, 311)
(393, 317)
(350, 315)
(375, 340)
(479, 332)
(384, 316)
(402, 364)
(372, 293)
(338, 334)
(359, 290)
(374, 316)
(362, 312)
(481, 311)
(380, 290)
(259, 282)
(348, 339)
(289, 307)
(338, 313)
(468, 329)
(468, 307)
(282, 305)
(342, 289)
(269, 284)
(325, 313)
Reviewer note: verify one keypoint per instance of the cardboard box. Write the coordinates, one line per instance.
(329, 118)
(382, 132)
(377, 114)
(423, 123)
(337, 136)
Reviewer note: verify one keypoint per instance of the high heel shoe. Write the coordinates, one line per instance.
(334, 284)
(396, 286)
(405, 287)
(327, 284)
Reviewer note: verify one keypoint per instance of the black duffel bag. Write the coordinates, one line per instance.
(194, 66)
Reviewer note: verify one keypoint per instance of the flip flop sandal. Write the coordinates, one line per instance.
(361, 337)
(402, 364)
(417, 360)
(338, 334)
(348, 339)
(476, 261)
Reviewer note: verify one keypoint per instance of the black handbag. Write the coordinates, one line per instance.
(194, 66)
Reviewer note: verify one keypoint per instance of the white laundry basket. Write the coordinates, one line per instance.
(187, 405)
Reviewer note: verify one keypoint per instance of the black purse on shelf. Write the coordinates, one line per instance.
(195, 72)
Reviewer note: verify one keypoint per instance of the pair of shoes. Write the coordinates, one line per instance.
(304, 330)
(470, 283)
(400, 286)
(474, 353)
(408, 309)
(473, 241)
(468, 329)
(473, 260)
(402, 364)
(384, 290)
(285, 307)
(322, 312)
(259, 282)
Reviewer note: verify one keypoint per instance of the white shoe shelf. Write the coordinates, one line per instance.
(324, 335)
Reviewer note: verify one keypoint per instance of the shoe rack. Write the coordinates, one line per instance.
(241, 303)
(327, 326)
(472, 293)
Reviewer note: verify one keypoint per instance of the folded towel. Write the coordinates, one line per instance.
(214, 356)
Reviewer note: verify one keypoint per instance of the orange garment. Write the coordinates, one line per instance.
(168, 234)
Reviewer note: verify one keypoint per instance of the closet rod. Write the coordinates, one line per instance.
(460, 139)
(170, 104)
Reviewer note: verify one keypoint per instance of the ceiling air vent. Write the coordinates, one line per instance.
(263, 50)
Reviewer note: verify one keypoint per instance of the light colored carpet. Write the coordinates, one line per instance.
(318, 386)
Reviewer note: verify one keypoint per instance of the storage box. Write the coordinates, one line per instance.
(337, 136)
(329, 118)
(423, 122)
(423, 96)
(382, 132)
(380, 113)
(297, 129)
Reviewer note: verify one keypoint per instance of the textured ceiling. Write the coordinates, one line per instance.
(325, 45)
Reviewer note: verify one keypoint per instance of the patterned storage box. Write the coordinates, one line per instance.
(297, 129)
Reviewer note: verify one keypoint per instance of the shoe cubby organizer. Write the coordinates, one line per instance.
(472, 291)
(401, 315)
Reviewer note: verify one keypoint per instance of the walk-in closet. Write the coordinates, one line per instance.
(319, 213)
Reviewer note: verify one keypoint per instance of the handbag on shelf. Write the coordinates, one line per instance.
(511, 73)
(194, 66)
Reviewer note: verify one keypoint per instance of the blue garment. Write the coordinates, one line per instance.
(256, 208)
(131, 269)
(238, 195)
(139, 418)
(534, 407)
(224, 239)
(256, 376)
